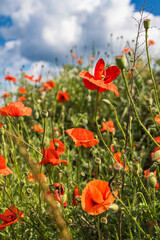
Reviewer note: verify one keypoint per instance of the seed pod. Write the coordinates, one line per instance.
(146, 23)
(97, 161)
(156, 156)
(113, 207)
(121, 61)
(152, 181)
(44, 113)
(104, 220)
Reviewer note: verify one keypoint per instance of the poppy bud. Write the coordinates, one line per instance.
(113, 207)
(36, 115)
(29, 190)
(104, 220)
(146, 23)
(78, 198)
(117, 166)
(106, 101)
(69, 221)
(44, 113)
(83, 174)
(121, 61)
(97, 161)
(156, 156)
(152, 181)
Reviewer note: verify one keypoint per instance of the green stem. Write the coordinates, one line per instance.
(108, 150)
(133, 218)
(151, 73)
(115, 112)
(135, 111)
(98, 225)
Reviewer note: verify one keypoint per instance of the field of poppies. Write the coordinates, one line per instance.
(80, 153)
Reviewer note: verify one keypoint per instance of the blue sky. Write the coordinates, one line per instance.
(35, 32)
(150, 5)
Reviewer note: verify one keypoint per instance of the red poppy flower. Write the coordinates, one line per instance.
(82, 137)
(51, 157)
(96, 197)
(155, 150)
(15, 109)
(62, 96)
(102, 79)
(75, 193)
(28, 77)
(146, 174)
(9, 78)
(74, 55)
(3, 167)
(38, 79)
(157, 139)
(22, 90)
(157, 119)
(112, 148)
(126, 50)
(108, 126)
(151, 42)
(32, 179)
(10, 216)
(37, 128)
(79, 61)
(49, 85)
(117, 157)
(22, 98)
(91, 58)
(0, 124)
(6, 94)
(129, 75)
(60, 148)
(58, 190)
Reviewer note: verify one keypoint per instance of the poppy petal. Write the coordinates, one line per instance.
(98, 71)
(112, 87)
(111, 73)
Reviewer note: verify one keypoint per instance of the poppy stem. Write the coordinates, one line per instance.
(99, 132)
(151, 73)
(98, 226)
(129, 213)
(134, 108)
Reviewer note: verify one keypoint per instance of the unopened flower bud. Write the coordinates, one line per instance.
(117, 166)
(78, 198)
(83, 174)
(44, 113)
(104, 220)
(121, 61)
(146, 23)
(156, 156)
(152, 181)
(29, 190)
(69, 221)
(36, 115)
(113, 207)
(97, 161)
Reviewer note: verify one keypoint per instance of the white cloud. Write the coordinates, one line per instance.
(43, 30)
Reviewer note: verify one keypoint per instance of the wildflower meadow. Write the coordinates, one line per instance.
(80, 152)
